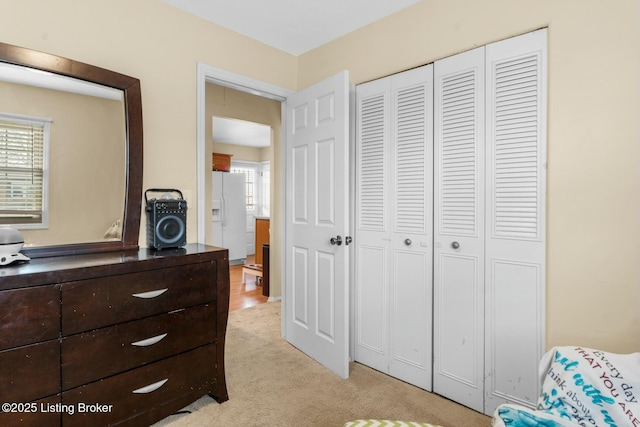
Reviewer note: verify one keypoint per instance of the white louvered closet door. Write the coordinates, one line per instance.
(459, 228)
(393, 331)
(372, 233)
(515, 230)
(489, 222)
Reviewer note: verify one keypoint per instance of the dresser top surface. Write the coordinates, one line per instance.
(78, 267)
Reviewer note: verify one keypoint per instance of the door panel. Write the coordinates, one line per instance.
(515, 245)
(410, 335)
(412, 218)
(300, 185)
(300, 289)
(512, 283)
(326, 295)
(459, 274)
(409, 344)
(317, 204)
(372, 237)
(325, 195)
(371, 305)
(459, 228)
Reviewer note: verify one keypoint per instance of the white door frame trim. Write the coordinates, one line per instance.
(210, 74)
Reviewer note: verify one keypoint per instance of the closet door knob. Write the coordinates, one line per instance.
(336, 240)
(407, 242)
(455, 245)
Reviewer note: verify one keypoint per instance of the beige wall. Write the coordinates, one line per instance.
(593, 211)
(225, 102)
(161, 46)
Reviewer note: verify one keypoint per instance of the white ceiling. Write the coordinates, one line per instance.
(294, 26)
(240, 132)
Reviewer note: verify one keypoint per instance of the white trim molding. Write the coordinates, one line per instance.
(210, 74)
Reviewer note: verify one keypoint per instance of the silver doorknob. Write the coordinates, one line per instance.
(407, 242)
(336, 240)
(455, 245)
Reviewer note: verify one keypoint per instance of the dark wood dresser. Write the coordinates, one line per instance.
(118, 338)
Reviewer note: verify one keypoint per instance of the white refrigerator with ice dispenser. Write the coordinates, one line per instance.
(230, 215)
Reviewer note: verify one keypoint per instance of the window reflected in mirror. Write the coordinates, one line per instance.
(62, 158)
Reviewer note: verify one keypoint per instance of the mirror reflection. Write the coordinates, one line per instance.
(62, 158)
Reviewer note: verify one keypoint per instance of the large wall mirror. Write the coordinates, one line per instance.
(74, 131)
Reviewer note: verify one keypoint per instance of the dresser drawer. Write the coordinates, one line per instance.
(135, 392)
(29, 315)
(31, 372)
(104, 352)
(92, 304)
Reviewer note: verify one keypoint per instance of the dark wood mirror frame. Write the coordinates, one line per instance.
(133, 119)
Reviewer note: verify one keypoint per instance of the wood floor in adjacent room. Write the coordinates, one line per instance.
(244, 295)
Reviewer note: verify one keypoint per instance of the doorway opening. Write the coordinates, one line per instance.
(227, 102)
(241, 194)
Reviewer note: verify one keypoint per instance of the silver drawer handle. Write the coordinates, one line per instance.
(149, 341)
(150, 294)
(150, 387)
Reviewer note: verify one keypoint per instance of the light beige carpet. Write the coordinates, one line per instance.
(271, 383)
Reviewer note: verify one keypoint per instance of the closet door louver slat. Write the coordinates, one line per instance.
(372, 164)
(516, 104)
(458, 160)
(410, 159)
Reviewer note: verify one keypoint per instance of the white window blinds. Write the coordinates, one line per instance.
(250, 180)
(22, 177)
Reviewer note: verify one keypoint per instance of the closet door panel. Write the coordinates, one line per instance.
(515, 248)
(372, 235)
(512, 342)
(460, 273)
(459, 228)
(412, 219)
(371, 334)
(410, 333)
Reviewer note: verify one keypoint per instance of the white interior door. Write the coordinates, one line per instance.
(459, 228)
(316, 222)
